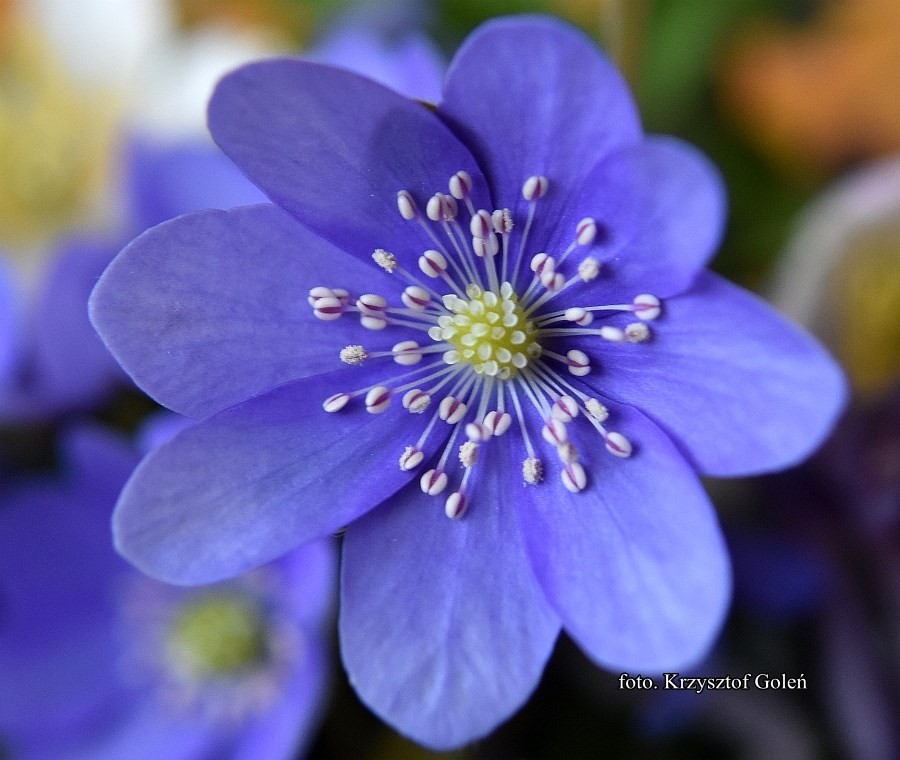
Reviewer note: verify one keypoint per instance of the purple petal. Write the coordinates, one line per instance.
(661, 210)
(334, 148)
(211, 308)
(166, 181)
(535, 96)
(740, 389)
(444, 631)
(258, 479)
(635, 565)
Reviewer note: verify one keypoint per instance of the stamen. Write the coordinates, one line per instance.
(407, 353)
(452, 410)
(406, 205)
(597, 410)
(411, 458)
(336, 402)
(618, 444)
(646, 307)
(497, 422)
(415, 297)
(353, 355)
(328, 308)
(468, 454)
(455, 506)
(378, 399)
(554, 431)
(433, 482)
(460, 185)
(637, 332)
(588, 269)
(385, 259)
(565, 409)
(567, 452)
(573, 477)
(532, 471)
(535, 187)
(416, 401)
(372, 305)
(586, 231)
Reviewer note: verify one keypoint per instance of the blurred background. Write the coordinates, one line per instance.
(102, 134)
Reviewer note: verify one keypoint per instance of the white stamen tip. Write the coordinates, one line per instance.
(534, 188)
(318, 292)
(433, 263)
(586, 231)
(455, 506)
(415, 297)
(328, 308)
(353, 355)
(481, 225)
(532, 471)
(411, 458)
(435, 208)
(574, 477)
(618, 444)
(502, 221)
(406, 205)
(372, 323)
(336, 402)
(589, 269)
(407, 353)
(451, 410)
(486, 247)
(637, 332)
(378, 399)
(554, 431)
(553, 281)
(564, 409)
(541, 263)
(433, 482)
(385, 259)
(416, 400)
(646, 307)
(371, 304)
(477, 431)
(578, 362)
(497, 422)
(460, 185)
(468, 454)
(596, 410)
(612, 334)
(581, 317)
(567, 452)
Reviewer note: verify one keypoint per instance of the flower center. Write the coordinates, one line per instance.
(218, 634)
(489, 331)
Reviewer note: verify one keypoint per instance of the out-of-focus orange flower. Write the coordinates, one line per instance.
(820, 96)
(291, 20)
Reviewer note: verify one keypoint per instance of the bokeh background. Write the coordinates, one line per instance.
(797, 101)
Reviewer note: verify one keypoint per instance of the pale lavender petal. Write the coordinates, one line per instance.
(260, 478)
(211, 308)
(635, 564)
(735, 385)
(444, 630)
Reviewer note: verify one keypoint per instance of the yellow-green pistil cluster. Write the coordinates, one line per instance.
(490, 331)
(218, 634)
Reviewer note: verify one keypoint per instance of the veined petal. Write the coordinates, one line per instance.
(444, 630)
(534, 96)
(211, 308)
(737, 387)
(258, 479)
(334, 149)
(635, 565)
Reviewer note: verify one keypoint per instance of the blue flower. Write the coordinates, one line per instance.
(98, 661)
(543, 359)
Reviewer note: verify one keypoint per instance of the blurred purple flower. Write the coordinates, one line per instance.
(98, 661)
(446, 624)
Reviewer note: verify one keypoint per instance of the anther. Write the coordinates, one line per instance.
(586, 231)
(564, 409)
(407, 353)
(612, 334)
(406, 205)
(378, 399)
(433, 263)
(416, 401)
(477, 431)
(455, 506)
(573, 477)
(336, 402)
(468, 454)
(502, 221)
(328, 308)
(554, 431)
(637, 332)
(567, 452)
(371, 304)
(578, 363)
(497, 422)
(618, 444)
(541, 263)
(433, 482)
(353, 355)
(485, 247)
(589, 269)
(534, 188)
(411, 458)
(460, 185)
(481, 225)
(553, 281)
(372, 323)
(532, 471)
(451, 410)
(596, 410)
(434, 207)
(581, 317)
(415, 297)
(646, 307)
(319, 292)
(385, 259)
